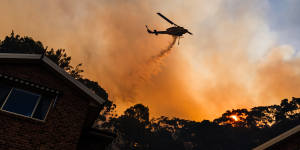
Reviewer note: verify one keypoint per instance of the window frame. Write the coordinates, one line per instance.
(35, 107)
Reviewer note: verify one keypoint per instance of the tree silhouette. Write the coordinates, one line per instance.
(253, 127)
(16, 44)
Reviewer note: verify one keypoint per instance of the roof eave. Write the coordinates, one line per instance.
(278, 138)
(74, 81)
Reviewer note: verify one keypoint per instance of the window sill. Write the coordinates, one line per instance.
(19, 117)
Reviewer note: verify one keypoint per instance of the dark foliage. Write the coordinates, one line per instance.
(253, 127)
(95, 87)
(16, 44)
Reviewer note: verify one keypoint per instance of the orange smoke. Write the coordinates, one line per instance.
(233, 60)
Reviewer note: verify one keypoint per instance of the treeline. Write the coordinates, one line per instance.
(252, 128)
(136, 131)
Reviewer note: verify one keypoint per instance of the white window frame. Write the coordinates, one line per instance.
(35, 107)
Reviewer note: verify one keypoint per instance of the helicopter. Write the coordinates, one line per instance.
(176, 30)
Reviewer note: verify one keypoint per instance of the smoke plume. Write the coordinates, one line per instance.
(152, 66)
(143, 73)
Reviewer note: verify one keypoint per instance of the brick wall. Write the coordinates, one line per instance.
(63, 125)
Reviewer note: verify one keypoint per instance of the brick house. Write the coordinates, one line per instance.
(289, 140)
(42, 106)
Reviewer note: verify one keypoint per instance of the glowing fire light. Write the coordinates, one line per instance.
(234, 117)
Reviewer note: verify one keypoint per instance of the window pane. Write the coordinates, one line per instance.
(21, 102)
(4, 90)
(42, 108)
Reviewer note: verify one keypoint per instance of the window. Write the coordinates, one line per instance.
(23, 102)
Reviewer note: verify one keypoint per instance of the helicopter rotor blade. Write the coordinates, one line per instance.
(190, 33)
(166, 19)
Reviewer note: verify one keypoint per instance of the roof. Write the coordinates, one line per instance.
(56, 68)
(279, 138)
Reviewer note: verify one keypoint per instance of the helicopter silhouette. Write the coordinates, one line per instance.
(176, 30)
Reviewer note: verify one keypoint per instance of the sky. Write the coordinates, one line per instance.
(284, 19)
(242, 53)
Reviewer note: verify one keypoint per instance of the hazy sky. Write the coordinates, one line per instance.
(242, 54)
(284, 19)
